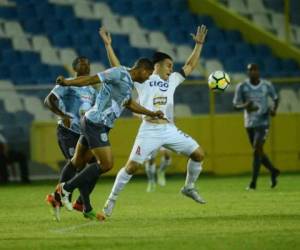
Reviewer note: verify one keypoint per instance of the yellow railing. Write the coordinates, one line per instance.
(222, 136)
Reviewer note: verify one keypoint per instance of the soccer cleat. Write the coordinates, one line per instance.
(108, 207)
(91, 215)
(151, 186)
(64, 196)
(274, 176)
(55, 206)
(193, 194)
(77, 206)
(161, 178)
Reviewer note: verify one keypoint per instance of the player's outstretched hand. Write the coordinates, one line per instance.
(105, 36)
(60, 80)
(200, 35)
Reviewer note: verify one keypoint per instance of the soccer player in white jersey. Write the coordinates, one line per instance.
(157, 94)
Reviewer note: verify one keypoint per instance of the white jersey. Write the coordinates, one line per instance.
(157, 94)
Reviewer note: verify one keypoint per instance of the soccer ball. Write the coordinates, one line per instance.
(218, 80)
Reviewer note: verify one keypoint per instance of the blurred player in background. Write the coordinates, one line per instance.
(70, 104)
(165, 162)
(252, 96)
(155, 175)
(8, 157)
(157, 93)
(113, 97)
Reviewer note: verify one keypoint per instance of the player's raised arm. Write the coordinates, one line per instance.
(106, 37)
(138, 109)
(193, 59)
(78, 81)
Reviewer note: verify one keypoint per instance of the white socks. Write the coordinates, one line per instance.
(193, 170)
(121, 180)
(150, 171)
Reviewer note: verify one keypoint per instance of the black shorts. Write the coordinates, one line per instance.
(257, 135)
(67, 141)
(93, 135)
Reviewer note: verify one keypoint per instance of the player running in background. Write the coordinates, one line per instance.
(157, 93)
(252, 96)
(70, 104)
(114, 96)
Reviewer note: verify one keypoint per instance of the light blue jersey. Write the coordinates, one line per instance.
(259, 95)
(74, 101)
(116, 90)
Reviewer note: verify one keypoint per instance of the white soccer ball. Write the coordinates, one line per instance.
(218, 80)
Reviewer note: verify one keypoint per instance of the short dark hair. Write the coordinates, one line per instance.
(144, 63)
(77, 59)
(160, 56)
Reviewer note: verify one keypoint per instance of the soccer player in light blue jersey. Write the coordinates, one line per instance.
(252, 96)
(70, 104)
(113, 97)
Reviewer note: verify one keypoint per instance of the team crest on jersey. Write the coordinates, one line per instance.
(138, 150)
(163, 86)
(104, 137)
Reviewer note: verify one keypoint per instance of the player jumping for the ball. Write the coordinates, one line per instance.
(157, 93)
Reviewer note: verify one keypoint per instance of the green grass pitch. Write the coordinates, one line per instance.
(232, 219)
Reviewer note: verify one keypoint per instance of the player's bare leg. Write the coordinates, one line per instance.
(194, 168)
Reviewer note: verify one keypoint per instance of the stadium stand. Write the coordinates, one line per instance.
(269, 15)
(38, 38)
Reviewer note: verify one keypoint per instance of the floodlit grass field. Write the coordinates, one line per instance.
(232, 219)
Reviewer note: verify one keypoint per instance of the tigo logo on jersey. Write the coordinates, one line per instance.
(163, 86)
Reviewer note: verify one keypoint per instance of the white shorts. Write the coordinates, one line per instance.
(153, 136)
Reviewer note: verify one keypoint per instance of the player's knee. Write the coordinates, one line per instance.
(197, 155)
(131, 167)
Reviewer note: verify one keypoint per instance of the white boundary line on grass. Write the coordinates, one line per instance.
(75, 227)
